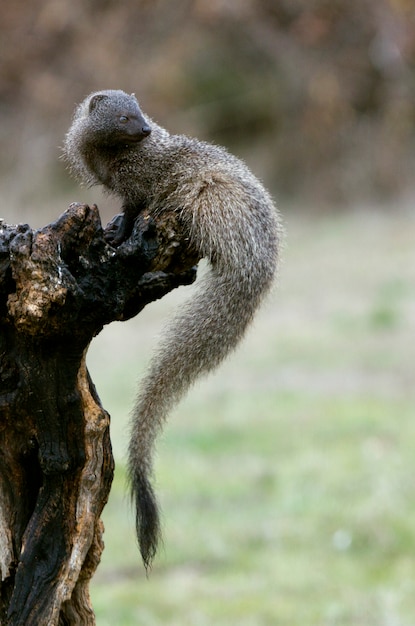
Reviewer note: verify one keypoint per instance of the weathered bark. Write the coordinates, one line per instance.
(58, 286)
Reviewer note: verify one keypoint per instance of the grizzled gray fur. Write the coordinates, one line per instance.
(231, 220)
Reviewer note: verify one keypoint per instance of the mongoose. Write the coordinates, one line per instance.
(230, 219)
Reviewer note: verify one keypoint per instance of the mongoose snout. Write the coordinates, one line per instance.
(136, 129)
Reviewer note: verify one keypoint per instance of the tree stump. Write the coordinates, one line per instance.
(58, 287)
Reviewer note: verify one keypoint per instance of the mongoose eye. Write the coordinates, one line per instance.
(123, 119)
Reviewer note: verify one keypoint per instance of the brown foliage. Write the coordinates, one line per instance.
(319, 96)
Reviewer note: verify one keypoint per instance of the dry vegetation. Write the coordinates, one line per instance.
(318, 96)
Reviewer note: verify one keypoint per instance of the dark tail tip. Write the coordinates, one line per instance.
(147, 519)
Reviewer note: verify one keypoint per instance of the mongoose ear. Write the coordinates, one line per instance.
(95, 99)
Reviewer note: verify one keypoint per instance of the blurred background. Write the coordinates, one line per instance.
(317, 95)
(286, 479)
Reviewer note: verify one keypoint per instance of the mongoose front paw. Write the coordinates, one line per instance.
(117, 230)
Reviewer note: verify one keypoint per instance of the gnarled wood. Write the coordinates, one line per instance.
(58, 287)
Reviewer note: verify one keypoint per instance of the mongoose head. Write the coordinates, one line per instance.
(116, 118)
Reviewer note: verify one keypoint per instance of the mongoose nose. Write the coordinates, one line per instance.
(146, 130)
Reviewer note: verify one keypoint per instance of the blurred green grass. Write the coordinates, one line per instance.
(286, 480)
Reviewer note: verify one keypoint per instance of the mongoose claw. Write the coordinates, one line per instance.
(116, 231)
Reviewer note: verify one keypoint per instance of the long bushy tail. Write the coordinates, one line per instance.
(242, 245)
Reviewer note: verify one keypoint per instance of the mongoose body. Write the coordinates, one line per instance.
(229, 218)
